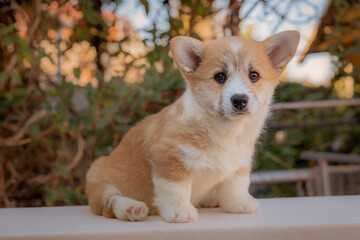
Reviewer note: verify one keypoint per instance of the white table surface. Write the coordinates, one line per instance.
(280, 218)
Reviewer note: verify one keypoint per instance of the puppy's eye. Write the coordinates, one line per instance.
(254, 76)
(220, 77)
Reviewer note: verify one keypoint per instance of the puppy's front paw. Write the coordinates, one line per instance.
(240, 204)
(179, 214)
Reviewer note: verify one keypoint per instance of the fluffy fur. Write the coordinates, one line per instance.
(197, 151)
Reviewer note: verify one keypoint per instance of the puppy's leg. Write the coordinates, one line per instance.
(173, 200)
(105, 199)
(234, 193)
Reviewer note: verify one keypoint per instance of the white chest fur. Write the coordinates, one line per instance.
(224, 157)
(217, 162)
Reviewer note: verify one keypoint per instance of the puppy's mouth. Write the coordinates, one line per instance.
(241, 112)
(234, 114)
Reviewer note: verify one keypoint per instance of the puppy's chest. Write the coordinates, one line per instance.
(220, 157)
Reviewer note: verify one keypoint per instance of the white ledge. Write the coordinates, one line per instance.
(281, 218)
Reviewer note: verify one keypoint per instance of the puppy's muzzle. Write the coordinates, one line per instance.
(239, 103)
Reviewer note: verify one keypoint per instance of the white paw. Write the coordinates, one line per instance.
(179, 214)
(129, 209)
(137, 211)
(240, 204)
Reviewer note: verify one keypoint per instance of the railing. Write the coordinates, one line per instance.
(316, 179)
(324, 170)
(316, 104)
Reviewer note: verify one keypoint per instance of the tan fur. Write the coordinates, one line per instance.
(152, 147)
(243, 171)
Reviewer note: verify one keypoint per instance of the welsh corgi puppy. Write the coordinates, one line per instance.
(198, 151)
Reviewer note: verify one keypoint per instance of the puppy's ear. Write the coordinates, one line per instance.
(187, 52)
(281, 48)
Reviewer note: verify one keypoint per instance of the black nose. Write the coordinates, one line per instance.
(239, 101)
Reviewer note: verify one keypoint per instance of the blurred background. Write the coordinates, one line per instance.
(76, 75)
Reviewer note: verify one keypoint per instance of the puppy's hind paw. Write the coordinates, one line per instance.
(137, 211)
(129, 209)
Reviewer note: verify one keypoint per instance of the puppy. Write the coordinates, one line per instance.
(197, 151)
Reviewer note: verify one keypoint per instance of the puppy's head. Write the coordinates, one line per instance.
(233, 76)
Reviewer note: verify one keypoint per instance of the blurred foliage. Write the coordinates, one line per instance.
(289, 132)
(292, 131)
(344, 36)
(329, 129)
(341, 37)
(51, 128)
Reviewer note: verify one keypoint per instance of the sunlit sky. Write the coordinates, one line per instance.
(316, 67)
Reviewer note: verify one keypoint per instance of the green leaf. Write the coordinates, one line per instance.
(3, 76)
(353, 49)
(77, 72)
(110, 110)
(53, 92)
(42, 54)
(102, 34)
(123, 128)
(90, 15)
(102, 123)
(155, 96)
(62, 171)
(34, 129)
(5, 30)
(99, 75)
(122, 119)
(8, 39)
(24, 50)
(61, 111)
(15, 76)
(50, 197)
